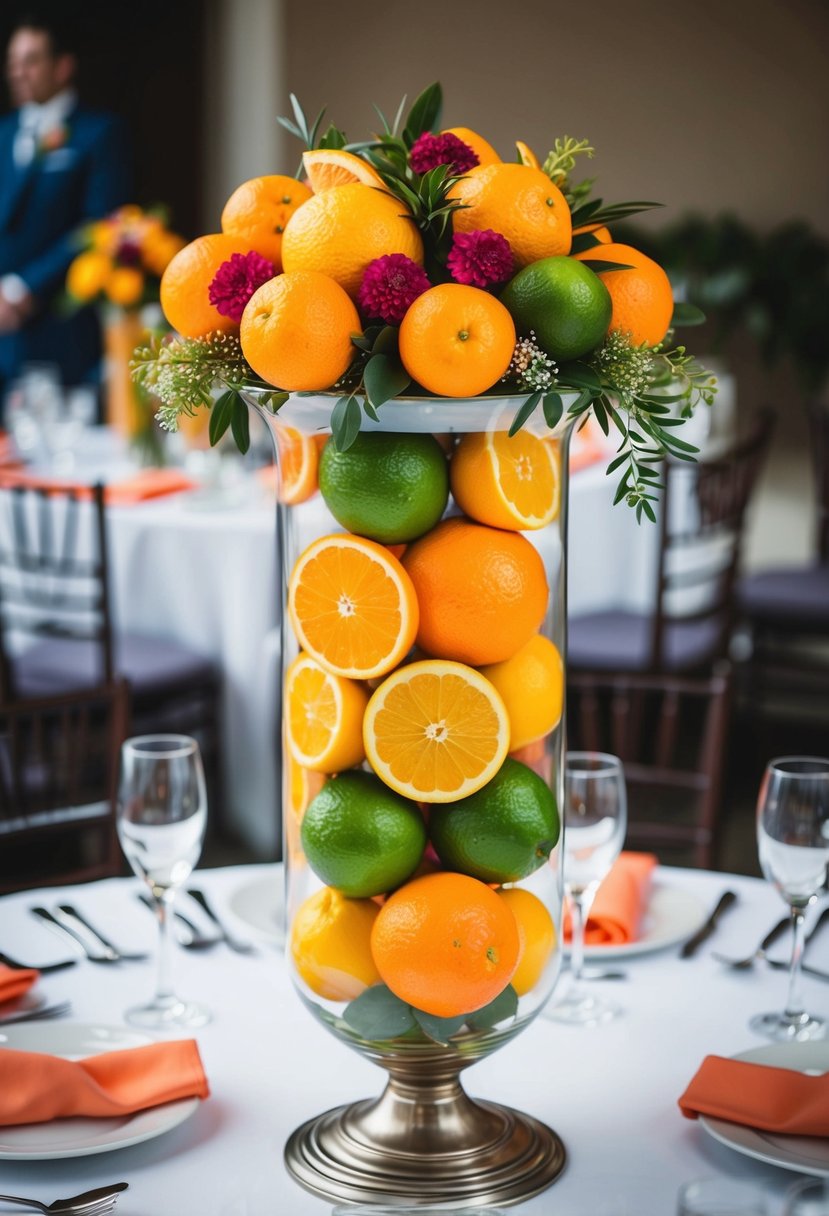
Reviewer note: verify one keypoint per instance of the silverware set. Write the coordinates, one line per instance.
(759, 955)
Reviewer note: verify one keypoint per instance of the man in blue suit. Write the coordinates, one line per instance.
(61, 165)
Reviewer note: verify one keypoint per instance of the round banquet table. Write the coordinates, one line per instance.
(610, 1092)
(201, 568)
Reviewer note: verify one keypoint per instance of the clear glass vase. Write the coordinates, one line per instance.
(384, 832)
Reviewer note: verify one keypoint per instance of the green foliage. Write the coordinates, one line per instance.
(561, 159)
(773, 287)
(378, 1014)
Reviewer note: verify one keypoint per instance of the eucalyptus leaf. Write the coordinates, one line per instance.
(345, 422)
(524, 412)
(333, 138)
(275, 401)
(220, 416)
(686, 315)
(504, 1006)
(579, 375)
(584, 241)
(553, 408)
(378, 1014)
(240, 424)
(600, 266)
(386, 341)
(384, 377)
(439, 1029)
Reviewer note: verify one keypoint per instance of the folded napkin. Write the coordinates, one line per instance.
(146, 483)
(15, 982)
(771, 1099)
(35, 1087)
(621, 902)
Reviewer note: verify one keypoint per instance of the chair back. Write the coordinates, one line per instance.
(701, 531)
(58, 780)
(53, 572)
(670, 734)
(819, 435)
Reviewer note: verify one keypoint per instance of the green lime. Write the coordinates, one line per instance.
(390, 488)
(360, 837)
(501, 833)
(563, 302)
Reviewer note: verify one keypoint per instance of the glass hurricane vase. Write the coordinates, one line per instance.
(423, 748)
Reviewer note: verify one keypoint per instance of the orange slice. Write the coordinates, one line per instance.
(327, 167)
(302, 786)
(324, 717)
(436, 731)
(298, 464)
(526, 155)
(353, 606)
(512, 483)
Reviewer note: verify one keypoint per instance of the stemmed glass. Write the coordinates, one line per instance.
(595, 821)
(161, 819)
(793, 844)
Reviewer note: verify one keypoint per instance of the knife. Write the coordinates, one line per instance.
(702, 934)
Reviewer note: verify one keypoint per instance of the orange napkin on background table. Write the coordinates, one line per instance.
(146, 483)
(15, 982)
(757, 1095)
(35, 1088)
(621, 902)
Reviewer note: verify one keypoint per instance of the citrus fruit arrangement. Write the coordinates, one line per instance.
(421, 262)
(424, 671)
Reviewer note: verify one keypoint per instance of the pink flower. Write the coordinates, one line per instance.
(390, 285)
(429, 151)
(236, 280)
(480, 259)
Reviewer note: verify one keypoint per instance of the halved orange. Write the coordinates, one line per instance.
(328, 167)
(323, 717)
(436, 731)
(298, 464)
(512, 483)
(353, 606)
(302, 785)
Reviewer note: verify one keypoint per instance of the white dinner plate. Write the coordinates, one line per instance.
(260, 904)
(804, 1154)
(80, 1137)
(673, 914)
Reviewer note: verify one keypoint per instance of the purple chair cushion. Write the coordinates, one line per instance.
(621, 641)
(795, 597)
(151, 666)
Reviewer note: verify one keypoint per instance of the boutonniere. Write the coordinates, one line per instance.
(51, 140)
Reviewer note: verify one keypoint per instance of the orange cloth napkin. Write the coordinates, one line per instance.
(146, 483)
(620, 903)
(15, 982)
(771, 1099)
(36, 1087)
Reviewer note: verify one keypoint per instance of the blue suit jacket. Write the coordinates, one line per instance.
(41, 208)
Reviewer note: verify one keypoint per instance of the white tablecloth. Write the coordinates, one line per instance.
(610, 1092)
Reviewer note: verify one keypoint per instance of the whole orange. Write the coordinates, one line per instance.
(456, 341)
(482, 592)
(598, 231)
(186, 282)
(258, 211)
(536, 933)
(338, 232)
(643, 301)
(296, 331)
(484, 151)
(519, 202)
(446, 944)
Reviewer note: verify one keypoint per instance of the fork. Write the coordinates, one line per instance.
(44, 968)
(36, 1015)
(779, 930)
(234, 942)
(71, 912)
(90, 1203)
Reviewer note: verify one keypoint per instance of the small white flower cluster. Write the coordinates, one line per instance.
(530, 366)
(629, 368)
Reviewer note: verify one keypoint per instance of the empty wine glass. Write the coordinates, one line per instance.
(595, 821)
(162, 814)
(793, 844)
(808, 1197)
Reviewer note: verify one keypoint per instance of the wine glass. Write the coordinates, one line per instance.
(595, 821)
(793, 844)
(162, 814)
(808, 1197)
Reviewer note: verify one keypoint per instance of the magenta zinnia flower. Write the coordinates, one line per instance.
(390, 285)
(480, 259)
(236, 280)
(429, 151)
